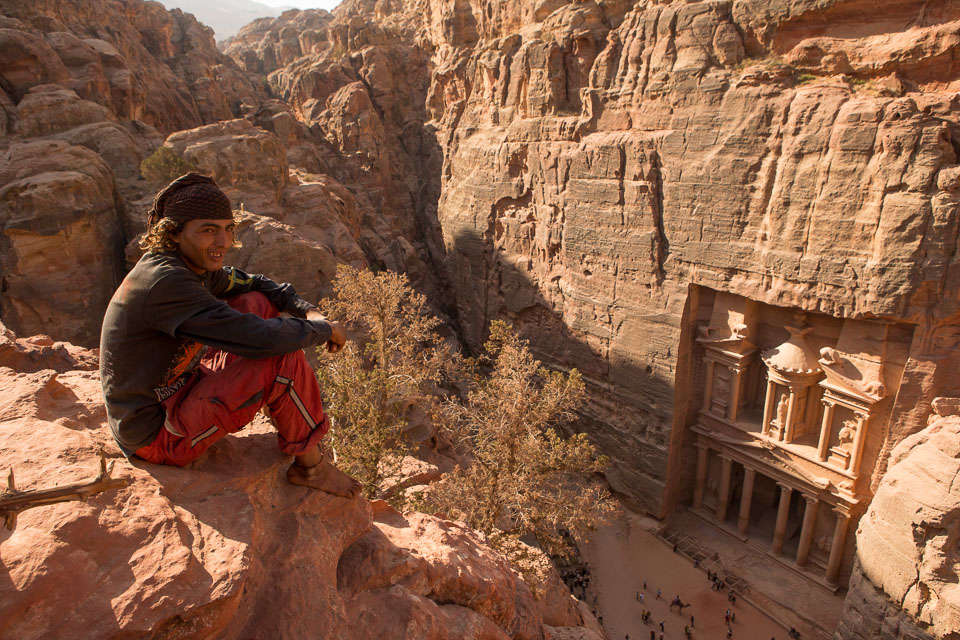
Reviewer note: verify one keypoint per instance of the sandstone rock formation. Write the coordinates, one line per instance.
(601, 158)
(158, 79)
(225, 548)
(267, 44)
(82, 105)
(906, 582)
(596, 172)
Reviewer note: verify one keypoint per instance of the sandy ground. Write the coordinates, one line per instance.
(624, 555)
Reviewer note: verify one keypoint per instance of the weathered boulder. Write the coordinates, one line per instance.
(27, 355)
(409, 561)
(60, 240)
(905, 584)
(238, 156)
(49, 109)
(26, 60)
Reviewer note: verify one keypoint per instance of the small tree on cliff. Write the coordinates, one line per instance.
(524, 478)
(399, 357)
(164, 165)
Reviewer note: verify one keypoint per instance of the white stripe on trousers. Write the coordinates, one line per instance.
(296, 400)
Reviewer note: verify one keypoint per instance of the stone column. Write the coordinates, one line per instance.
(786, 433)
(708, 387)
(806, 531)
(702, 451)
(734, 393)
(746, 497)
(768, 406)
(723, 498)
(825, 430)
(857, 450)
(783, 511)
(836, 549)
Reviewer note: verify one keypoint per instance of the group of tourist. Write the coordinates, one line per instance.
(716, 584)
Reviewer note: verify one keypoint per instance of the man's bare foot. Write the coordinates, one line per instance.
(325, 477)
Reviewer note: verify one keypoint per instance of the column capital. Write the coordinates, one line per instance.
(785, 486)
(810, 498)
(842, 512)
(828, 402)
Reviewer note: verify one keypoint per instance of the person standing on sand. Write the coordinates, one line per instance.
(191, 350)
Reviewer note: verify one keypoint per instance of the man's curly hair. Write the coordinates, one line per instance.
(157, 238)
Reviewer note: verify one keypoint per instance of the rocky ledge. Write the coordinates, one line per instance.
(226, 547)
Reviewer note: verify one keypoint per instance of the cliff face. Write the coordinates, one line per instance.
(627, 156)
(598, 159)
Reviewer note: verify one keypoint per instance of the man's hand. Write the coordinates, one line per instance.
(337, 335)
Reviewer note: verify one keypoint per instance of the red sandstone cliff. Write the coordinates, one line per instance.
(598, 159)
(905, 582)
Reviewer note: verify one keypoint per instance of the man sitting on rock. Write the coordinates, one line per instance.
(191, 350)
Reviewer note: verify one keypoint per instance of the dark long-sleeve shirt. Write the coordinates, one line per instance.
(159, 324)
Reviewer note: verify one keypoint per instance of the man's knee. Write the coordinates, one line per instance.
(253, 302)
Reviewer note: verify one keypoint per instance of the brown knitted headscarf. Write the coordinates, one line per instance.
(190, 197)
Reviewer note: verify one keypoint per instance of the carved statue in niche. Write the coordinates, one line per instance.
(713, 485)
(782, 409)
(824, 542)
(847, 433)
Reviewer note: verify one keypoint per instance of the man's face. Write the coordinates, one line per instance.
(203, 243)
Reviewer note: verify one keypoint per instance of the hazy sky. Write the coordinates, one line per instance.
(302, 4)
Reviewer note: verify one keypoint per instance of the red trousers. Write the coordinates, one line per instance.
(226, 393)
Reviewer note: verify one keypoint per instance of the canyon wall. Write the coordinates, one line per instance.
(606, 166)
(598, 159)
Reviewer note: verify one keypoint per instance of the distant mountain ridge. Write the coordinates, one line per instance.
(225, 17)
